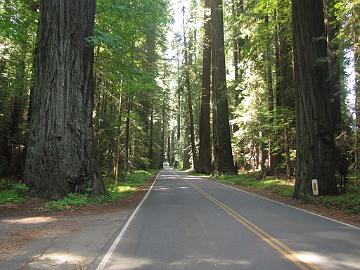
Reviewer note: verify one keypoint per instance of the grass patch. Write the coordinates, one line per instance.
(16, 193)
(277, 186)
(125, 187)
(68, 201)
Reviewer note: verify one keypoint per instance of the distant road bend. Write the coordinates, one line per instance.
(187, 222)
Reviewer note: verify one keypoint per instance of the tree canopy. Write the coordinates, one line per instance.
(218, 86)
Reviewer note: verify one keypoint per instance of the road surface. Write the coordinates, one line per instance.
(187, 222)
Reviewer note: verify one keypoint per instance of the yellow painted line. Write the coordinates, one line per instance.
(287, 252)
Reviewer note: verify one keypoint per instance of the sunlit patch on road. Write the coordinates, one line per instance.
(327, 262)
(30, 220)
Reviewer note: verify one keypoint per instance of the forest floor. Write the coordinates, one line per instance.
(341, 207)
(32, 237)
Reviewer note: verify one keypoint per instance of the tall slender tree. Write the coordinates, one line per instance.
(355, 30)
(204, 164)
(187, 59)
(269, 82)
(225, 161)
(60, 156)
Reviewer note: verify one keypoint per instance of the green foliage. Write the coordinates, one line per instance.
(129, 185)
(129, 39)
(67, 202)
(15, 194)
(18, 27)
(277, 186)
(262, 31)
(349, 201)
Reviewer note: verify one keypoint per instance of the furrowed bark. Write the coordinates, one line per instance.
(60, 156)
(315, 125)
(204, 165)
(225, 161)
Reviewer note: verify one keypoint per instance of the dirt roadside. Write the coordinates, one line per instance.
(32, 238)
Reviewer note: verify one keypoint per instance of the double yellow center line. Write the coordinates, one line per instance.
(287, 252)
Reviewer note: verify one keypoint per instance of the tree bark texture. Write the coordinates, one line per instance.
(204, 163)
(269, 81)
(118, 141)
(335, 61)
(356, 44)
(162, 158)
(225, 161)
(151, 142)
(127, 134)
(188, 61)
(186, 156)
(315, 124)
(60, 156)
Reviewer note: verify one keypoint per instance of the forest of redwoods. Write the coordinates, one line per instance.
(92, 88)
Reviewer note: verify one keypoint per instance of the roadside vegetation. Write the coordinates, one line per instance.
(225, 108)
(348, 201)
(17, 193)
(12, 192)
(131, 183)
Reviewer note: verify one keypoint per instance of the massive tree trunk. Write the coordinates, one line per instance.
(60, 156)
(214, 166)
(315, 119)
(204, 165)
(225, 162)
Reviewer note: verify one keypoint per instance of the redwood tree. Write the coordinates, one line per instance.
(188, 63)
(204, 163)
(225, 157)
(314, 115)
(60, 156)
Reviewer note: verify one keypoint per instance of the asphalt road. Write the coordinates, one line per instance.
(187, 222)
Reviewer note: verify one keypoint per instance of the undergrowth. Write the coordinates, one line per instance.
(14, 193)
(126, 186)
(278, 186)
(348, 202)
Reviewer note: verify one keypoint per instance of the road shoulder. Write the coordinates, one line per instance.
(65, 240)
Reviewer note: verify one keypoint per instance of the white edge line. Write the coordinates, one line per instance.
(108, 254)
(303, 210)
